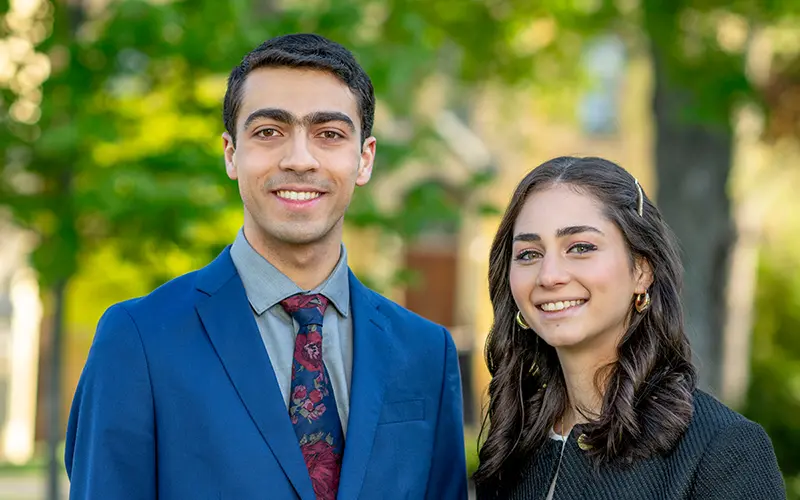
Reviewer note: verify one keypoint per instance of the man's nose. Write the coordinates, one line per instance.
(299, 157)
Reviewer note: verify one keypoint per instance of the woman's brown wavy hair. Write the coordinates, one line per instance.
(647, 391)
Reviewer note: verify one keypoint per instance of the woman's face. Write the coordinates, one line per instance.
(571, 272)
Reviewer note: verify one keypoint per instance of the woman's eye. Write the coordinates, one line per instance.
(581, 248)
(526, 255)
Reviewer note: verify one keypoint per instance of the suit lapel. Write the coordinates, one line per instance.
(372, 350)
(232, 330)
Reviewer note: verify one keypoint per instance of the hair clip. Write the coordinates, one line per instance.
(640, 201)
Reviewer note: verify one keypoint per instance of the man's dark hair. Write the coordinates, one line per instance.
(303, 50)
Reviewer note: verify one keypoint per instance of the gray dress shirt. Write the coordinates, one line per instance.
(266, 287)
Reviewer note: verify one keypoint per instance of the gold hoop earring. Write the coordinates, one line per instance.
(642, 301)
(521, 321)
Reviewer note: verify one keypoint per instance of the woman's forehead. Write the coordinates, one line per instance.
(558, 206)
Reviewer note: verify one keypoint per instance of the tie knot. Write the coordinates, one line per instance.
(306, 309)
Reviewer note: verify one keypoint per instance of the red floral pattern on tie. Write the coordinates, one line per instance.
(322, 462)
(302, 301)
(312, 408)
(308, 350)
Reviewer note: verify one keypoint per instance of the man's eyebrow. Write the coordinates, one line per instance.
(279, 115)
(319, 117)
(288, 118)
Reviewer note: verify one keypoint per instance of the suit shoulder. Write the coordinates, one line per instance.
(396, 313)
(169, 298)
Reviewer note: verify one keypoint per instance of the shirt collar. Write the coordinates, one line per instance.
(266, 286)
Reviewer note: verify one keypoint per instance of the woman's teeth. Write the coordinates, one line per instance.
(560, 305)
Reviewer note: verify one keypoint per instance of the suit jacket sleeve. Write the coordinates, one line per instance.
(739, 464)
(110, 446)
(448, 476)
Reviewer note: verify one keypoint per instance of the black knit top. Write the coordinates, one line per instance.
(722, 456)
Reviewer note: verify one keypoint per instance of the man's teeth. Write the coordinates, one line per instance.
(559, 306)
(298, 195)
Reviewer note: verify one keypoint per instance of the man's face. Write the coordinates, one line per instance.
(298, 155)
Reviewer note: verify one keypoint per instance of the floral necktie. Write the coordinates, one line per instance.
(312, 407)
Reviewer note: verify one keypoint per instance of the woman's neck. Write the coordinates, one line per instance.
(585, 398)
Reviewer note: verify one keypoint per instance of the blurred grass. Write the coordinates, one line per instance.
(471, 449)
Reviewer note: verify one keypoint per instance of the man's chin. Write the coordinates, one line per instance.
(305, 236)
(306, 232)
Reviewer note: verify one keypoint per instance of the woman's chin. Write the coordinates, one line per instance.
(564, 340)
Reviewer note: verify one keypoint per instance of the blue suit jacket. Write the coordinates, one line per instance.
(178, 400)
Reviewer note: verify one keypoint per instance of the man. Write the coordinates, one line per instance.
(272, 372)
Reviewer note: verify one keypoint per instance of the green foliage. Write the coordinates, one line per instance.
(774, 396)
(702, 46)
(127, 145)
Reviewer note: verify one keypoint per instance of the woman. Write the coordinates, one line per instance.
(593, 390)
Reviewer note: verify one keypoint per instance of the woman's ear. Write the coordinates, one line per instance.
(643, 272)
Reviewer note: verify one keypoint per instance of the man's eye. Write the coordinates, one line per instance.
(267, 132)
(330, 134)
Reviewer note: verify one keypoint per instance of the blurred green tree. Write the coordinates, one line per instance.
(774, 397)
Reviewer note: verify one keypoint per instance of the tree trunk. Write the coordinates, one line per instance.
(70, 15)
(693, 161)
(54, 429)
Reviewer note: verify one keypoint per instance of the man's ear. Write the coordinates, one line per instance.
(229, 149)
(366, 162)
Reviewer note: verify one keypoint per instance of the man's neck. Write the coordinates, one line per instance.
(306, 265)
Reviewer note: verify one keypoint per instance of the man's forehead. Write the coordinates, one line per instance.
(300, 92)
